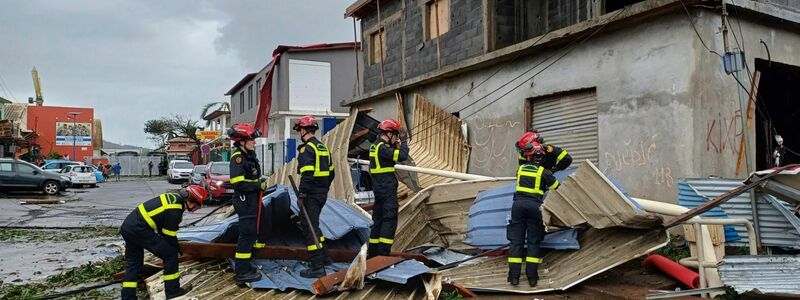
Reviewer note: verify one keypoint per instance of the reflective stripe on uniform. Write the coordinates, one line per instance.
(374, 241)
(259, 245)
(396, 155)
(535, 260)
(129, 284)
(373, 153)
(537, 176)
(242, 179)
(318, 153)
(515, 260)
(553, 186)
(321, 238)
(235, 154)
(561, 156)
(243, 255)
(173, 276)
(169, 232)
(165, 204)
(386, 241)
(312, 247)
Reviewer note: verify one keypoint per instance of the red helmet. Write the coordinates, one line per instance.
(536, 136)
(528, 144)
(307, 122)
(243, 131)
(389, 125)
(197, 193)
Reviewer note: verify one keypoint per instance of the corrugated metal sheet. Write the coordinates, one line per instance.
(601, 250)
(570, 122)
(402, 272)
(285, 274)
(777, 226)
(439, 254)
(588, 198)
(437, 215)
(15, 112)
(691, 198)
(437, 143)
(762, 274)
(337, 141)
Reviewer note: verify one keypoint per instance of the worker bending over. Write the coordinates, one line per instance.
(154, 226)
(526, 226)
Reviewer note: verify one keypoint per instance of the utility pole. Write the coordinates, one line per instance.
(74, 116)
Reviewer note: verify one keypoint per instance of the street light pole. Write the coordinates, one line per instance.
(74, 123)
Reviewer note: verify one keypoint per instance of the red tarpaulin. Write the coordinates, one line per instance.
(264, 106)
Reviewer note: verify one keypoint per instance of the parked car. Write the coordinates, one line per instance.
(17, 175)
(217, 180)
(56, 165)
(179, 170)
(80, 175)
(197, 175)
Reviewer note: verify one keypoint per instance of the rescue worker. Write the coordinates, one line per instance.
(390, 148)
(154, 226)
(526, 226)
(247, 187)
(555, 158)
(315, 167)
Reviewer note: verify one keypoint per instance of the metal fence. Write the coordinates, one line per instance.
(135, 165)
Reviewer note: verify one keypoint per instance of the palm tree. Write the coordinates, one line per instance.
(222, 105)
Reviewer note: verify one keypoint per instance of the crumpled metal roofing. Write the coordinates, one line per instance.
(689, 197)
(285, 274)
(402, 272)
(489, 215)
(762, 274)
(437, 215)
(777, 225)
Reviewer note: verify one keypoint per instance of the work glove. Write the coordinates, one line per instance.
(263, 183)
(403, 135)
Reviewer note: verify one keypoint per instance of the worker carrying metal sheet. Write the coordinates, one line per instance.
(526, 226)
(315, 166)
(555, 159)
(390, 147)
(247, 192)
(153, 225)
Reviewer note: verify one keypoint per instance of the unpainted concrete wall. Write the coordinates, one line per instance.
(717, 111)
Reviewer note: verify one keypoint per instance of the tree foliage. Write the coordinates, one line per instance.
(165, 128)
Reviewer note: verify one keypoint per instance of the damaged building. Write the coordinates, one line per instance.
(640, 88)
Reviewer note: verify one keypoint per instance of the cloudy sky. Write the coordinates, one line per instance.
(138, 60)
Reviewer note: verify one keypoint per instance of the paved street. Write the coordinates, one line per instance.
(76, 240)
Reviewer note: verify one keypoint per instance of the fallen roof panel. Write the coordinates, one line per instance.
(762, 274)
(690, 197)
(601, 250)
(402, 272)
(285, 274)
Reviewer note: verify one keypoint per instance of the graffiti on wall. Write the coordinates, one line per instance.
(724, 132)
(492, 143)
(637, 157)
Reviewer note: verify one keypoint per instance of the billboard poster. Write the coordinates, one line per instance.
(65, 134)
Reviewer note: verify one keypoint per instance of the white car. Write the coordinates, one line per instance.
(80, 175)
(179, 170)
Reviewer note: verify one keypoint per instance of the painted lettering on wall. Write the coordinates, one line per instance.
(723, 133)
(492, 147)
(639, 157)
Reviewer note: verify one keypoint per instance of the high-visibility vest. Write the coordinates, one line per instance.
(375, 161)
(323, 165)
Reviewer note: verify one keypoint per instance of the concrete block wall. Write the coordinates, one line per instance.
(463, 40)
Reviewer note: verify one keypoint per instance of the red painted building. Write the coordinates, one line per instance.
(56, 129)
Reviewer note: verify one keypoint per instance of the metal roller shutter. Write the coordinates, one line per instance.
(569, 121)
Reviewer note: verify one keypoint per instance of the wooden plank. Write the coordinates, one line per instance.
(750, 117)
(465, 292)
(721, 198)
(328, 283)
(227, 250)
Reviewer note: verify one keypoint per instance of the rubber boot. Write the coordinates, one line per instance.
(514, 273)
(250, 276)
(315, 267)
(180, 292)
(327, 261)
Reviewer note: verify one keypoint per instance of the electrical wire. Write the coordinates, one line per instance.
(6, 89)
(568, 48)
(691, 21)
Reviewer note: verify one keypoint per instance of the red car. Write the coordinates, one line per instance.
(216, 178)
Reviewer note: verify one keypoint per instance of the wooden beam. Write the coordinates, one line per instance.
(227, 250)
(328, 283)
(465, 292)
(721, 198)
(751, 107)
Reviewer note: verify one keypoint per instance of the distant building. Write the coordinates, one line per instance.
(306, 80)
(180, 148)
(63, 130)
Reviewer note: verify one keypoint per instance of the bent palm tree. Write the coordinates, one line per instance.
(222, 105)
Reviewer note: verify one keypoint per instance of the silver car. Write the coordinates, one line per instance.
(197, 174)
